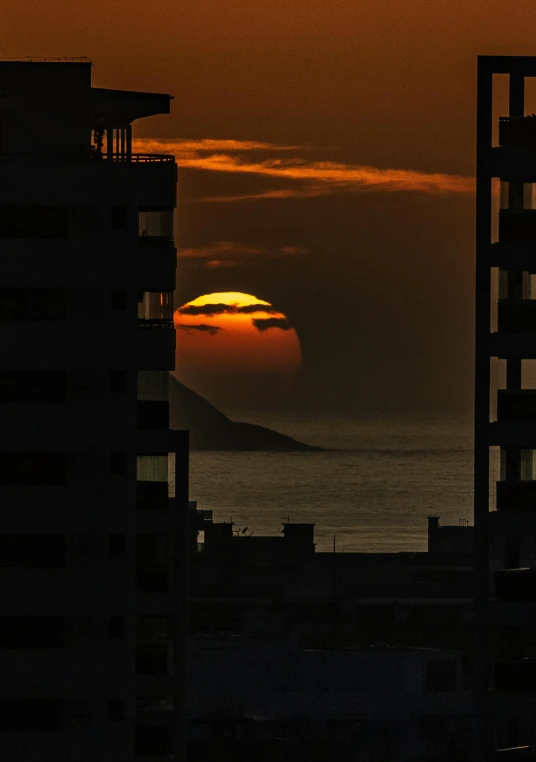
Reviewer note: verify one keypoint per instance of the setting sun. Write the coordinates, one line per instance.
(238, 339)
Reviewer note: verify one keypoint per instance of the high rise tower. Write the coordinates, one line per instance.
(505, 656)
(91, 543)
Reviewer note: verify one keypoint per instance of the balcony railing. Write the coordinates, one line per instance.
(518, 132)
(516, 405)
(156, 242)
(152, 496)
(517, 317)
(135, 158)
(143, 323)
(517, 227)
(153, 415)
(516, 496)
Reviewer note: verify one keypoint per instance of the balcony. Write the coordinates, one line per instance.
(156, 264)
(156, 345)
(143, 181)
(517, 316)
(515, 585)
(152, 496)
(517, 132)
(518, 405)
(516, 496)
(517, 227)
(153, 416)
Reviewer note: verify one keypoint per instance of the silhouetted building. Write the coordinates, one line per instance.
(448, 539)
(264, 698)
(505, 651)
(92, 578)
(255, 599)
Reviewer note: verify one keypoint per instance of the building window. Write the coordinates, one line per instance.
(118, 463)
(153, 649)
(118, 299)
(118, 381)
(116, 627)
(156, 223)
(116, 710)
(32, 632)
(152, 468)
(33, 304)
(527, 465)
(119, 217)
(33, 386)
(156, 482)
(156, 306)
(440, 676)
(153, 563)
(34, 221)
(116, 544)
(153, 385)
(31, 715)
(32, 551)
(32, 468)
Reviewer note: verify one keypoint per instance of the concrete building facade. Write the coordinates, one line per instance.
(505, 518)
(92, 572)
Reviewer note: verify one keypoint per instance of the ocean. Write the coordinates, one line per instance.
(370, 490)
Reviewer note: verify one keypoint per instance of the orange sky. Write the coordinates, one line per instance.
(346, 197)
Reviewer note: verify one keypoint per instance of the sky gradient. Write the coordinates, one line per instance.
(327, 156)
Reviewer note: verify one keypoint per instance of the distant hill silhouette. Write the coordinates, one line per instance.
(212, 430)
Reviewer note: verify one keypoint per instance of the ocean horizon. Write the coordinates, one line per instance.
(371, 489)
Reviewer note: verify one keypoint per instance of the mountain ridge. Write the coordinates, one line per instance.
(210, 429)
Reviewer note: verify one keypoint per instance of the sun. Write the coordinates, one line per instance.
(234, 345)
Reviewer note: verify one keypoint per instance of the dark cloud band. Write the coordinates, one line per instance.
(263, 324)
(226, 309)
(211, 329)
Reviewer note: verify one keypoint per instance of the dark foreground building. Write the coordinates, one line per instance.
(305, 656)
(505, 652)
(91, 583)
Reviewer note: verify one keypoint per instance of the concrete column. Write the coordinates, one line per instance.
(483, 729)
(129, 142)
(181, 546)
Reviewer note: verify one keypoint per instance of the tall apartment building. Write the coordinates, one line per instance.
(92, 561)
(505, 655)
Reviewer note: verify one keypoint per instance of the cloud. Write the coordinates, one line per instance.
(308, 177)
(210, 329)
(220, 252)
(220, 264)
(226, 309)
(263, 324)
(181, 146)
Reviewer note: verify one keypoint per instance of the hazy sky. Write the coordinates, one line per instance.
(373, 268)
